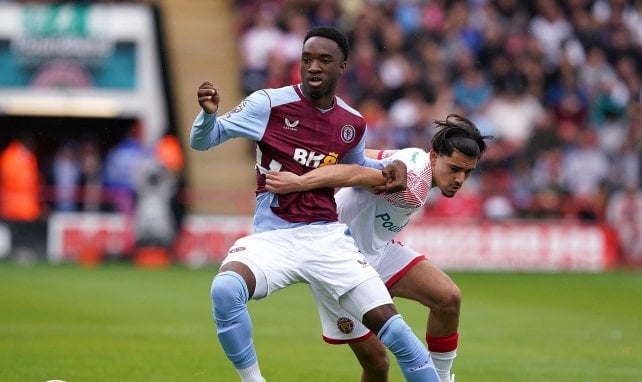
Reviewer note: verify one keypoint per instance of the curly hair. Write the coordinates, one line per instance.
(332, 34)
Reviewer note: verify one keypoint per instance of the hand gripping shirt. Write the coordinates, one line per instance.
(374, 220)
(292, 134)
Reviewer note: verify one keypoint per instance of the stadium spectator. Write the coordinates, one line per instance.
(624, 214)
(296, 26)
(513, 112)
(395, 69)
(380, 133)
(121, 164)
(627, 70)
(20, 181)
(169, 152)
(91, 180)
(362, 79)
(154, 187)
(584, 173)
(159, 214)
(471, 88)
(551, 28)
(65, 175)
(325, 13)
(374, 221)
(510, 15)
(626, 166)
(257, 44)
(407, 117)
(497, 201)
(297, 236)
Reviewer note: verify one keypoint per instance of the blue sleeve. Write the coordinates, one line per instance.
(357, 156)
(247, 120)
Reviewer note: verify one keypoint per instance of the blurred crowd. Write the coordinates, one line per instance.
(129, 178)
(557, 83)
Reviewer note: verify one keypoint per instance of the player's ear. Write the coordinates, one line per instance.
(433, 158)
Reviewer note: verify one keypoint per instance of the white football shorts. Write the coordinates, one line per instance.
(321, 255)
(339, 326)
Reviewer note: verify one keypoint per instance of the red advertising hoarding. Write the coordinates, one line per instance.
(521, 246)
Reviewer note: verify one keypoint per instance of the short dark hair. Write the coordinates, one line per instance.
(458, 133)
(332, 34)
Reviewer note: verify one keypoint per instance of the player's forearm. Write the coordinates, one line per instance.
(372, 153)
(341, 175)
(200, 137)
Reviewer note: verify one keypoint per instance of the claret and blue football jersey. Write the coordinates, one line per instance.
(287, 128)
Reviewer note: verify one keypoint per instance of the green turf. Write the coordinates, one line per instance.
(120, 323)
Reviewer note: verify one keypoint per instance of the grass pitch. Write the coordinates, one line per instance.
(120, 323)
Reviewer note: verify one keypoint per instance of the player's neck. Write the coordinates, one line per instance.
(323, 102)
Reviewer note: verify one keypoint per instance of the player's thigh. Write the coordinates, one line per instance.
(394, 261)
(427, 284)
(330, 261)
(371, 302)
(338, 326)
(271, 258)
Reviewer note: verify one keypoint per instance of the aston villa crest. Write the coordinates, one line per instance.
(347, 133)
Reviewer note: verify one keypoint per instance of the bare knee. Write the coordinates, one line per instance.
(449, 300)
(373, 358)
(244, 271)
(375, 318)
(431, 287)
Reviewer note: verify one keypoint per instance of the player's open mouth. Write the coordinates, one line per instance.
(315, 81)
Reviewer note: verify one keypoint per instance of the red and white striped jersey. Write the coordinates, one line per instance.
(373, 219)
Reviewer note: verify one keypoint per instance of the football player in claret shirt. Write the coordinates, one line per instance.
(297, 237)
(376, 218)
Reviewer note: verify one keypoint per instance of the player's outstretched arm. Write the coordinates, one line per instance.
(339, 175)
(391, 179)
(372, 153)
